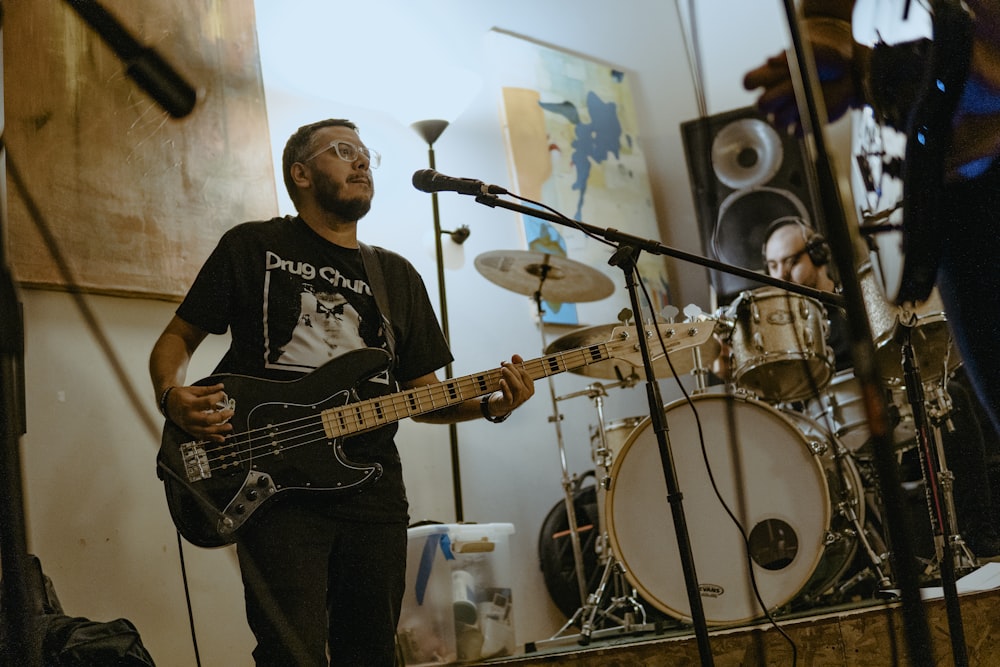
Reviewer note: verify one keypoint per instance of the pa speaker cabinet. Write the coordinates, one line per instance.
(744, 175)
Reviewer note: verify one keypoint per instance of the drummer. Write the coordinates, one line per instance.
(795, 252)
(792, 251)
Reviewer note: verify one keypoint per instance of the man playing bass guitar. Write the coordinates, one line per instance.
(323, 570)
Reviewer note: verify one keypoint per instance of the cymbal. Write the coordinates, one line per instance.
(592, 336)
(682, 359)
(561, 280)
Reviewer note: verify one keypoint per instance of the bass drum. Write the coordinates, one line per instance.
(776, 472)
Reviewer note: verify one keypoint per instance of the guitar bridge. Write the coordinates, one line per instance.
(195, 460)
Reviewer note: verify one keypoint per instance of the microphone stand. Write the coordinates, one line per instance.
(22, 590)
(21, 600)
(831, 211)
(629, 248)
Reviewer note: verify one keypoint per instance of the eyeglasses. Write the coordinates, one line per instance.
(349, 152)
(785, 264)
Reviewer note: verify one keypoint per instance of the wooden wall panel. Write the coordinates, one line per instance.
(136, 199)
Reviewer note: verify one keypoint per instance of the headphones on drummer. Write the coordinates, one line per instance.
(816, 246)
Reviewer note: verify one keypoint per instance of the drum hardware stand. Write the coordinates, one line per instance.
(939, 410)
(948, 544)
(587, 617)
(699, 371)
(847, 507)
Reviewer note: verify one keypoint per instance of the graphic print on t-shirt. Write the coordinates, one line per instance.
(328, 325)
(313, 315)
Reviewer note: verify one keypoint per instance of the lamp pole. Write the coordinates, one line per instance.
(430, 130)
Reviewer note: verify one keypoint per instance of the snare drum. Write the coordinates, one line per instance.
(776, 472)
(934, 348)
(615, 433)
(779, 345)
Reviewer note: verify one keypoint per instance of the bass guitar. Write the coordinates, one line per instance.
(288, 435)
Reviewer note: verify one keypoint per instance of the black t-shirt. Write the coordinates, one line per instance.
(292, 302)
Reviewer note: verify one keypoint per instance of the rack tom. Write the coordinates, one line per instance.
(779, 350)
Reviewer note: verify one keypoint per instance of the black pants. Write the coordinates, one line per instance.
(311, 582)
(969, 280)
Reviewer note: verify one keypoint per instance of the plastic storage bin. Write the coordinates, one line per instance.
(458, 604)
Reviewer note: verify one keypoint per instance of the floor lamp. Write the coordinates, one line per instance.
(430, 130)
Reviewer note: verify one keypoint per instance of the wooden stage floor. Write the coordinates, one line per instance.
(867, 635)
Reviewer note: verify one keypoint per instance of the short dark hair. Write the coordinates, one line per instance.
(300, 145)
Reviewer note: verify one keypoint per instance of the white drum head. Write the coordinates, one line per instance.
(768, 477)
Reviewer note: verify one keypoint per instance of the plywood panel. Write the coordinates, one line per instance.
(871, 636)
(135, 198)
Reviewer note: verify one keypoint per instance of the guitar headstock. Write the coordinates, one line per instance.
(677, 340)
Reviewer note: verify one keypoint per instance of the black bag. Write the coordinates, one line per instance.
(76, 642)
(555, 547)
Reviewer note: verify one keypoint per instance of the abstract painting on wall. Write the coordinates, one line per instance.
(573, 145)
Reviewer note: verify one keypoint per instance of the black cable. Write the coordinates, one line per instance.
(187, 599)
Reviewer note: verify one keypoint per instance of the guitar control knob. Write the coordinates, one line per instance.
(263, 481)
(250, 494)
(240, 509)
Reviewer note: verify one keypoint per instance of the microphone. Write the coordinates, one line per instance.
(142, 64)
(428, 180)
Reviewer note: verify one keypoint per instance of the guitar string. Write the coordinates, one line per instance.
(397, 406)
(377, 411)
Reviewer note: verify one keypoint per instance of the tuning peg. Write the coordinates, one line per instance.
(693, 312)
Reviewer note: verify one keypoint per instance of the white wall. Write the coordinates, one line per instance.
(95, 508)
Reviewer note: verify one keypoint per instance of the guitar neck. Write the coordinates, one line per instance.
(373, 413)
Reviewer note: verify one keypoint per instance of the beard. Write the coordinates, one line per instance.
(330, 198)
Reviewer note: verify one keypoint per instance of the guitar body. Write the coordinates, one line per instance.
(901, 147)
(278, 446)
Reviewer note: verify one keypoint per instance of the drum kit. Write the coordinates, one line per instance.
(775, 465)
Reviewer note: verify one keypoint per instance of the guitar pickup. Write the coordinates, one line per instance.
(195, 461)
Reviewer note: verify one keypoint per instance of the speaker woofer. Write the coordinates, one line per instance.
(745, 153)
(744, 217)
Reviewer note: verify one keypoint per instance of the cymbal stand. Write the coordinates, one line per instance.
(591, 615)
(567, 480)
(942, 519)
(623, 595)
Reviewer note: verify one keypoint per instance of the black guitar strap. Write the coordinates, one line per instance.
(376, 279)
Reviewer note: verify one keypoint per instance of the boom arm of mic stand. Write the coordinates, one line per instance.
(656, 248)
